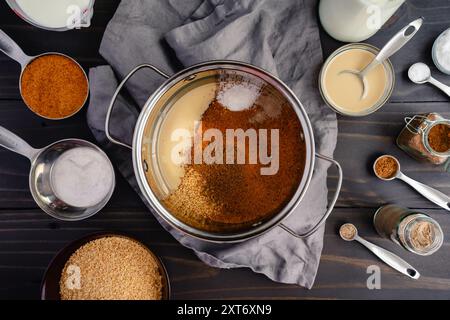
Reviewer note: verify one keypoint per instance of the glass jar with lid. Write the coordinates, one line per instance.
(413, 230)
(426, 138)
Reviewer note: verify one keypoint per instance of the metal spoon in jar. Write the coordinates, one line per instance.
(420, 73)
(394, 45)
(431, 194)
(348, 232)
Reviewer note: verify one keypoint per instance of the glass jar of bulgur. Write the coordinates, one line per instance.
(426, 138)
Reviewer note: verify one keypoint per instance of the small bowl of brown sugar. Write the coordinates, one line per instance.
(386, 167)
(106, 266)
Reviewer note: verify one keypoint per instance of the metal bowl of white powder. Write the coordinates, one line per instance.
(441, 52)
(70, 179)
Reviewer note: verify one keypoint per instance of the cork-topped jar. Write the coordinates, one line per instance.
(426, 138)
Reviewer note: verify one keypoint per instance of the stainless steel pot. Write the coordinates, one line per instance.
(154, 111)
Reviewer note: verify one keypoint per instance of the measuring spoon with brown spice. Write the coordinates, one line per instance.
(387, 168)
(348, 232)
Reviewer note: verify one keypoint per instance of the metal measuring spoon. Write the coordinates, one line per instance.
(426, 77)
(9, 47)
(348, 232)
(431, 194)
(394, 45)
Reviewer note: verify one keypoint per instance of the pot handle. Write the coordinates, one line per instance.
(330, 207)
(114, 98)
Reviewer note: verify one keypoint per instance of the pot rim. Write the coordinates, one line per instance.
(261, 228)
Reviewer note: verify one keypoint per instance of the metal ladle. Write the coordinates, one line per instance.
(426, 78)
(431, 194)
(42, 161)
(386, 256)
(9, 47)
(394, 45)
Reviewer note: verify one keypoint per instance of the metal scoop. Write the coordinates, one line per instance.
(388, 257)
(395, 44)
(426, 77)
(431, 194)
(42, 161)
(12, 50)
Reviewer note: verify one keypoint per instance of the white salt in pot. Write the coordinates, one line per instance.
(146, 167)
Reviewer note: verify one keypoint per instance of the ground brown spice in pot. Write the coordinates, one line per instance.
(439, 138)
(111, 268)
(386, 167)
(221, 197)
(54, 86)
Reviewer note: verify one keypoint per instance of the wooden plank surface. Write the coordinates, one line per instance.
(29, 239)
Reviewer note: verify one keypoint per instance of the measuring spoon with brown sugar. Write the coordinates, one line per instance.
(387, 168)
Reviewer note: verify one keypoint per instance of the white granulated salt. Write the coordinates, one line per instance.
(419, 72)
(442, 51)
(238, 97)
(82, 177)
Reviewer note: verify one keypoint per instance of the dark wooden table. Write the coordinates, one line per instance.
(29, 239)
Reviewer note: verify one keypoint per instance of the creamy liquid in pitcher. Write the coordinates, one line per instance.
(52, 13)
(345, 90)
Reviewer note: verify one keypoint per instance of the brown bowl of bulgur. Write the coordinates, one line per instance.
(106, 266)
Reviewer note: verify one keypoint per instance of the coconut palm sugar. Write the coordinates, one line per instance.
(111, 268)
(411, 139)
(54, 86)
(386, 167)
(439, 138)
(230, 197)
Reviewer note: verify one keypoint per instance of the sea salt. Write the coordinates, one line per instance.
(238, 97)
(82, 177)
(442, 51)
(419, 72)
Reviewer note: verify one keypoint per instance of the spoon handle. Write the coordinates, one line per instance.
(395, 44)
(12, 49)
(430, 193)
(390, 259)
(440, 85)
(16, 144)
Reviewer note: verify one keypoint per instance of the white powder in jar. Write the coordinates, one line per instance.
(239, 96)
(442, 51)
(82, 177)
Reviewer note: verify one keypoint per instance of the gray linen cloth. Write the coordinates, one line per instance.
(279, 36)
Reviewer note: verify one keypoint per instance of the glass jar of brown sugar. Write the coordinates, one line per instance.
(414, 231)
(426, 138)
